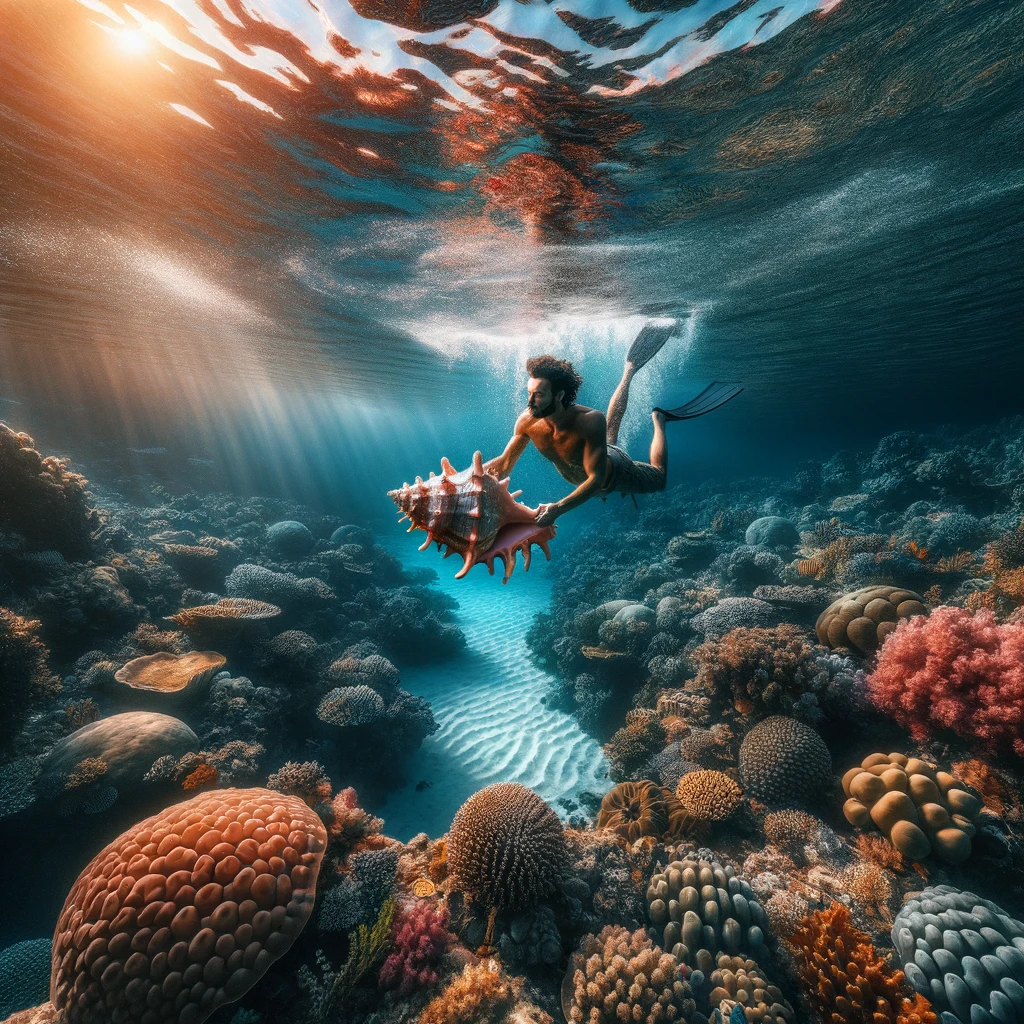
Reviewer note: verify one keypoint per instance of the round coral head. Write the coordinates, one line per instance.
(186, 910)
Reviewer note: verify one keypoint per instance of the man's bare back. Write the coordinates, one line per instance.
(578, 441)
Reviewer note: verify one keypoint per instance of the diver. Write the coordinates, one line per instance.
(581, 443)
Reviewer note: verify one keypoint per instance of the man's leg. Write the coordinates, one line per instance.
(617, 406)
(659, 445)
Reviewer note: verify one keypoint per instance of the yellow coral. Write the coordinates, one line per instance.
(482, 993)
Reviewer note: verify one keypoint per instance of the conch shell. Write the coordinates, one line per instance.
(472, 513)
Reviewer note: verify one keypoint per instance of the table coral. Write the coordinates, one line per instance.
(187, 909)
(506, 847)
(955, 671)
(847, 981)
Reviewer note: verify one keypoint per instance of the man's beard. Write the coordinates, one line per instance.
(539, 414)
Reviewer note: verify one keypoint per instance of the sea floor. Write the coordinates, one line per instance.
(487, 703)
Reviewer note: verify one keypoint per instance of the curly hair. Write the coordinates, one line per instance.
(562, 374)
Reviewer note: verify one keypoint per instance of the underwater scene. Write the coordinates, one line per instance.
(512, 511)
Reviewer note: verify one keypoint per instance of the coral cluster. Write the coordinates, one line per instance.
(955, 671)
(24, 670)
(481, 994)
(419, 939)
(963, 954)
(846, 979)
(739, 984)
(618, 976)
(920, 809)
(697, 908)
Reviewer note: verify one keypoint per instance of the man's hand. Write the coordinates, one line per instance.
(547, 514)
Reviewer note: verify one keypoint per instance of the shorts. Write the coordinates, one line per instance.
(631, 477)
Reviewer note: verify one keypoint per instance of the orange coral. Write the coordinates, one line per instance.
(914, 550)
(204, 775)
(879, 851)
(847, 981)
(481, 993)
(996, 794)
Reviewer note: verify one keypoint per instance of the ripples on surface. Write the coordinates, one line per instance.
(211, 207)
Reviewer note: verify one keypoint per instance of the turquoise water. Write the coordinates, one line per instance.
(487, 703)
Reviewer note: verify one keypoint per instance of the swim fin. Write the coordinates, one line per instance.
(649, 342)
(713, 396)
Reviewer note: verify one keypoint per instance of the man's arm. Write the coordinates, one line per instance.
(595, 463)
(502, 465)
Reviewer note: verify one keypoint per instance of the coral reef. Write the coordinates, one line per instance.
(784, 761)
(618, 976)
(920, 809)
(962, 953)
(42, 500)
(955, 671)
(698, 908)
(195, 904)
(631, 748)
(845, 977)
(24, 669)
(506, 847)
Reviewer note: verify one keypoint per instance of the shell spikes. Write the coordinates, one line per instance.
(472, 513)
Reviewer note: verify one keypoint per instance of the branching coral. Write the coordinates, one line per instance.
(481, 994)
(24, 671)
(42, 499)
(618, 976)
(305, 779)
(847, 981)
(506, 847)
(956, 671)
(631, 748)
(347, 823)
(419, 938)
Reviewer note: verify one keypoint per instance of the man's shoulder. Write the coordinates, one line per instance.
(589, 419)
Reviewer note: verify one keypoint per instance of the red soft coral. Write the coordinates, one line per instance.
(420, 937)
(957, 671)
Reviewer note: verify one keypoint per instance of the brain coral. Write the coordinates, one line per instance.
(863, 619)
(783, 760)
(186, 910)
(846, 979)
(709, 795)
(962, 953)
(921, 810)
(772, 531)
(955, 671)
(289, 538)
(618, 976)
(128, 743)
(698, 908)
(506, 847)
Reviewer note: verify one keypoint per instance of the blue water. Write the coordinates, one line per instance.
(487, 703)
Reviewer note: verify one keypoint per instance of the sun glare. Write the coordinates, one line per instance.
(132, 41)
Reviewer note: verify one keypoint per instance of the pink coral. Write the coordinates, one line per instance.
(957, 671)
(420, 937)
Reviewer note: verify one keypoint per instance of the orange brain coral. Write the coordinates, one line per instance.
(847, 981)
(186, 910)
